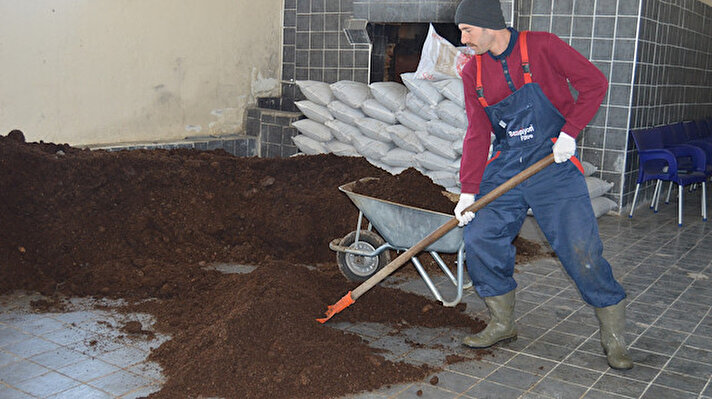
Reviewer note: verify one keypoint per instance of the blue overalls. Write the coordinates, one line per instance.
(525, 125)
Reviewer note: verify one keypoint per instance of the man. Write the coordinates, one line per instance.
(517, 87)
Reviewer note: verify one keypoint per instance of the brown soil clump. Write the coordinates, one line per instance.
(265, 335)
(149, 224)
(409, 187)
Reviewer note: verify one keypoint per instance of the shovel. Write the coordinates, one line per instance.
(352, 296)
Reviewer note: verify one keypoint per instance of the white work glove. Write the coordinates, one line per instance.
(564, 148)
(465, 201)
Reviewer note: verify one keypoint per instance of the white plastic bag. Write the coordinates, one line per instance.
(405, 138)
(451, 113)
(314, 111)
(414, 104)
(341, 149)
(394, 170)
(453, 90)
(411, 120)
(399, 157)
(439, 146)
(588, 168)
(444, 178)
(430, 161)
(376, 110)
(369, 148)
(602, 205)
(308, 145)
(315, 130)
(344, 113)
(597, 187)
(350, 92)
(318, 92)
(457, 146)
(342, 131)
(444, 130)
(374, 129)
(390, 94)
(424, 89)
(439, 59)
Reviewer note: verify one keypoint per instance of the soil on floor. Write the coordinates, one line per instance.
(149, 224)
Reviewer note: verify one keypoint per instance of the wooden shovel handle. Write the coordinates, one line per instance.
(449, 225)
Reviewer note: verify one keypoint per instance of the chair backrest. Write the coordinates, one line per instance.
(674, 134)
(705, 127)
(647, 139)
(692, 130)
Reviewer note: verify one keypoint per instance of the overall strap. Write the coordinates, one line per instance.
(525, 57)
(525, 67)
(479, 89)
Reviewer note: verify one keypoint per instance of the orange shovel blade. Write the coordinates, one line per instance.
(342, 304)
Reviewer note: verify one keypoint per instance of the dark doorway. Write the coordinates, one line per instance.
(397, 47)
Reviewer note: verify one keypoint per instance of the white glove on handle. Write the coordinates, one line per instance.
(465, 201)
(564, 148)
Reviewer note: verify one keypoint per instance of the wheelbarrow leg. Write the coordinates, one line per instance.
(458, 283)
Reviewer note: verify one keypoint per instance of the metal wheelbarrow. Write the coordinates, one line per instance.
(362, 253)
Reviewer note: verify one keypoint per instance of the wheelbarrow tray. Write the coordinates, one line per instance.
(403, 226)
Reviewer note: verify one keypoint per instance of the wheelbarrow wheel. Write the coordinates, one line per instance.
(359, 268)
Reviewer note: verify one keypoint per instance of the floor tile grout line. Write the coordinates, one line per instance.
(709, 311)
(707, 385)
(567, 356)
(663, 312)
(551, 329)
(641, 334)
(17, 389)
(50, 369)
(500, 366)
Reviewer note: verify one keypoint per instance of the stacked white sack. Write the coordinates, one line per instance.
(419, 124)
(394, 126)
(597, 188)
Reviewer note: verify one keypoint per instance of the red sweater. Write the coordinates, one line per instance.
(553, 64)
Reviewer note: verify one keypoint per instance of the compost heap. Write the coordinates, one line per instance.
(146, 224)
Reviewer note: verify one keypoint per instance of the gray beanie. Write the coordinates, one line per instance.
(482, 13)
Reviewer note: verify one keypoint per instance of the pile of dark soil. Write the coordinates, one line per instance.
(409, 187)
(147, 224)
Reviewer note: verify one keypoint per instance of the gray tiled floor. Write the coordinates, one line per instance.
(665, 269)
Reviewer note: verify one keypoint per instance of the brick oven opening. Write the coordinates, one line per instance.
(397, 47)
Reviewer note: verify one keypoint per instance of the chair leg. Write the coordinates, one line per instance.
(655, 194)
(679, 206)
(667, 199)
(635, 198)
(704, 201)
(658, 189)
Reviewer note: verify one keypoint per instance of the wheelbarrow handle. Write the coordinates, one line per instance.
(350, 297)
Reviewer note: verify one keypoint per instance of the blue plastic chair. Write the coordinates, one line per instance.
(685, 134)
(661, 164)
(698, 133)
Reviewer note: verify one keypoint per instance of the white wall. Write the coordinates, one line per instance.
(105, 71)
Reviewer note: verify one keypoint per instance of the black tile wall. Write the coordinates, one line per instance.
(592, 28)
(312, 26)
(673, 73)
(273, 129)
(656, 55)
